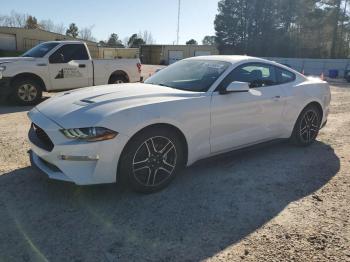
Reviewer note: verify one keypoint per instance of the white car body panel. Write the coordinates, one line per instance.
(104, 68)
(255, 116)
(210, 122)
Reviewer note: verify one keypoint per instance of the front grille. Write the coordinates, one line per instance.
(39, 138)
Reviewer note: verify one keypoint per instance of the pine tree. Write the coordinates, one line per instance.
(191, 42)
(73, 30)
(209, 40)
(114, 41)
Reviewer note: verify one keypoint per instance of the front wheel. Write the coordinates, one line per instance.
(307, 126)
(27, 92)
(151, 160)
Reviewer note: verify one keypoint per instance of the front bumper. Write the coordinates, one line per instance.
(87, 164)
(5, 86)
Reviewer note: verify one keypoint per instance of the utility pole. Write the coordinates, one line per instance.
(178, 23)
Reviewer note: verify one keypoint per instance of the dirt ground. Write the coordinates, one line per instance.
(276, 202)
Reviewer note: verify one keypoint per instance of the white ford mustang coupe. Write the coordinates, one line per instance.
(193, 109)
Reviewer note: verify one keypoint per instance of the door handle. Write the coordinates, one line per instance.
(82, 65)
(276, 98)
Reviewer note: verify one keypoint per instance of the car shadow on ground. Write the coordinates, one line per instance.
(209, 207)
(339, 84)
(8, 106)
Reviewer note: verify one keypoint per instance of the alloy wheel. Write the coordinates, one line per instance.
(309, 126)
(154, 161)
(27, 92)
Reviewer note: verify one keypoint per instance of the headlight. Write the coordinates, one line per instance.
(91, 134)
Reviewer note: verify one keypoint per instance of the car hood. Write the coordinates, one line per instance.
(15, 59)
(87, 106)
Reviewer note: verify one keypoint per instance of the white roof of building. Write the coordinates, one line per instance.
(67, 41)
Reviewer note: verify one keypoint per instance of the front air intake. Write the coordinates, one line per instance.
(39, 138)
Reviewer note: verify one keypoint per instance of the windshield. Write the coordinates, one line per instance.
(40, 50)
(191, 75)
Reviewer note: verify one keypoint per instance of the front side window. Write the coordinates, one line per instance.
(40, 50)
(256, 74)
(190, 75)
(69, 52)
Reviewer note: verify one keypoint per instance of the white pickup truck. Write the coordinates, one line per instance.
(60, 65)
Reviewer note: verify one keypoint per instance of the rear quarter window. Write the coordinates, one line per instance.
(284, 76)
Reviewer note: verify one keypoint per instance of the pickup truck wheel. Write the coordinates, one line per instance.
(118, 79)
(27, 92)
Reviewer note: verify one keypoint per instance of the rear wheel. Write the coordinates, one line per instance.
(307, 126)
(151, 159)
(118, 79)
(27, 92)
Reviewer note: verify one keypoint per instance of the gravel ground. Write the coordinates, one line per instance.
(272, 203)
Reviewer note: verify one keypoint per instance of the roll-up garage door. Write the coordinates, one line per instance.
(7, 42)
(175, 56)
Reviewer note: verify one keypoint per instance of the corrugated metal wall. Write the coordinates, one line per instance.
(113, 53)
(315, 66)
(159, 54)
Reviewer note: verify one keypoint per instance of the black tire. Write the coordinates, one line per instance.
(307, 126)
(146, 171)
(3, 99)
(118, 79)
(27, 92)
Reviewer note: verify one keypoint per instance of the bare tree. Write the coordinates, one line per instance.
(85, 33)
(147, 37)
(2, 20)
(60, 29)
(50, 26)
(47, 25)
(14, 19)
(19, 19)
(125, 41)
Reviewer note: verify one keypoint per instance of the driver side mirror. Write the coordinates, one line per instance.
(61, 58)
(235, 87)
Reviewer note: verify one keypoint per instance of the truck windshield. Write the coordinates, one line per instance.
(40, 50)
(190, 75)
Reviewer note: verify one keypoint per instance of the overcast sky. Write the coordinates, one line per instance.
(126, 17)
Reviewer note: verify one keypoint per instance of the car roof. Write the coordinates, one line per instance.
(229, 58)
(234, 59)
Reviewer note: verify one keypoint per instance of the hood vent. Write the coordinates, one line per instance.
(87, 101)
(84, 102)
